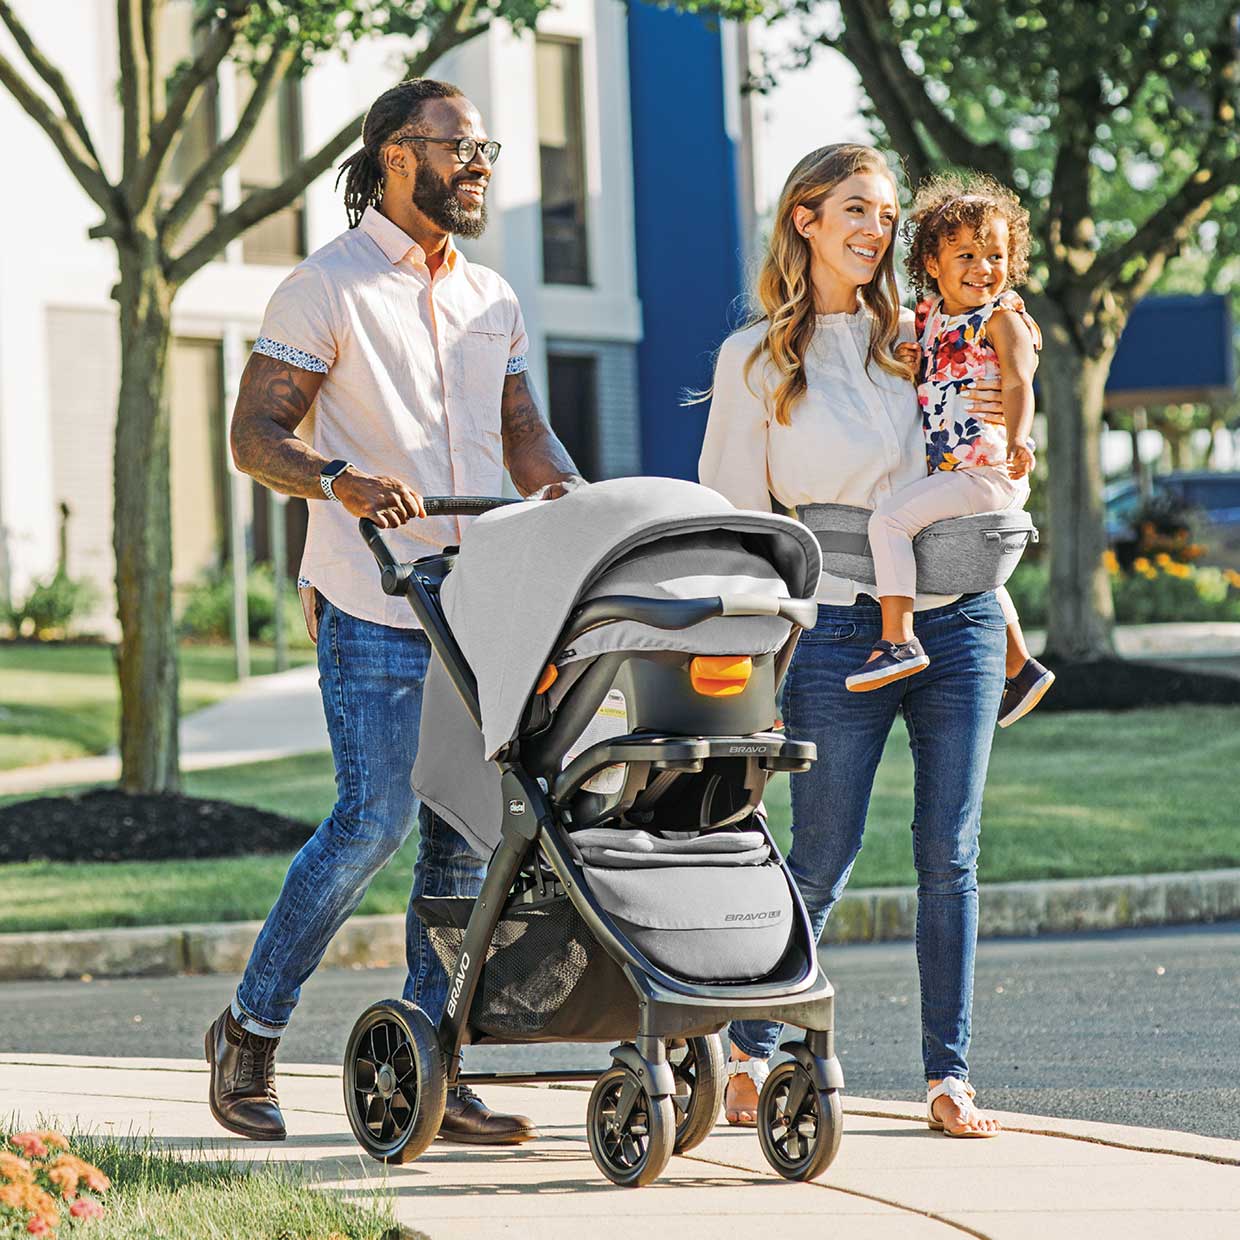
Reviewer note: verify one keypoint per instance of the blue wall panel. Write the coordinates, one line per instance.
(686, 218)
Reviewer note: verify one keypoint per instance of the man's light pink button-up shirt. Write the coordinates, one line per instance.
(414, 369)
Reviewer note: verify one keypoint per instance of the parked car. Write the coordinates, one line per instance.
(1211, 498)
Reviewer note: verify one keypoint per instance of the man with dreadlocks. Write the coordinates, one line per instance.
(387, 367)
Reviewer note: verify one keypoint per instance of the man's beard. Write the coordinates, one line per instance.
(437, 200)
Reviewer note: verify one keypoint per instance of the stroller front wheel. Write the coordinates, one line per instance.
(631, 1134)
(799, 1125)
(394, 1081)
(698, 1069)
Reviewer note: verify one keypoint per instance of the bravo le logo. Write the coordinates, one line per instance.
(458, 983)
(752, 916)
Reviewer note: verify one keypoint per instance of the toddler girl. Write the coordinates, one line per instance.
(969, 249)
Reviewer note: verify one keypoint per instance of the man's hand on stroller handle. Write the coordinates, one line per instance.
(387, 502)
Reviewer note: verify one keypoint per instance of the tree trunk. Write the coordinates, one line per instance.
(142, 528)
(1081, 614)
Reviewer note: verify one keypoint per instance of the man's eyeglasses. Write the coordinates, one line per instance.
(466, 148)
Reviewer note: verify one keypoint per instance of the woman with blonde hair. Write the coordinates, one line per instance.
(811, 405)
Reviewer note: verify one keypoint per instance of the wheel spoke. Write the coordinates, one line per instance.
(374, 1111)
(364, 1075)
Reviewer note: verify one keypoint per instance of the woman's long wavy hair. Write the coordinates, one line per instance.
(785, 292)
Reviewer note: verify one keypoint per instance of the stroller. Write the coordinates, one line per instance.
(598, 720)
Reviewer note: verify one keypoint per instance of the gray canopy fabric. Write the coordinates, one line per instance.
(522, 569)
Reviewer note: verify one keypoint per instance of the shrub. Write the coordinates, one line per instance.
(207, 614)
(1157, 590)
(43, 1185)
(52, 606)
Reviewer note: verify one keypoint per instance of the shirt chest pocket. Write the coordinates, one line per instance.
(482, 364)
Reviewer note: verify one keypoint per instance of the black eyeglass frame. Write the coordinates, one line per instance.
(490, 148)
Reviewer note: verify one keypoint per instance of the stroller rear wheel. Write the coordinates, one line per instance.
(698, 1069)
(394, 1081)
(631, 1134)
(799, 1125)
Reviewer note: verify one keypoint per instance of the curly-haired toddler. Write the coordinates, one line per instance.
(969, 249)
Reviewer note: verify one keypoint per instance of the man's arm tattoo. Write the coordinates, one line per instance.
(532, 453)
(273, 399)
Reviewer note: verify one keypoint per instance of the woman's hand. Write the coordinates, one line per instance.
(986, 400)
(1020, 460)
(909, 352)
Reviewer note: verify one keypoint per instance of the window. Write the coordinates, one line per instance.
(572, 380)
(177, 47)
(561, 158)
(268, 157)
(196, 405)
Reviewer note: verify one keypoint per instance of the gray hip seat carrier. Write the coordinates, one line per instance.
(962, 555)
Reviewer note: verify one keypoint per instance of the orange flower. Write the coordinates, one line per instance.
(64, 1176)
(1233, 578)
(54, 1139)
(1141, 564)
(13, 1167)
(1194, 551)
(1162, 559)
(30, 1144)
(95, 1180)
(1109, 562)
(86, 1207)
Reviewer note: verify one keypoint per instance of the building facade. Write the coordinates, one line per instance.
(616, 214)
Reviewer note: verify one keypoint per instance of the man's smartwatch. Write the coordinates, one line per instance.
(328, 475)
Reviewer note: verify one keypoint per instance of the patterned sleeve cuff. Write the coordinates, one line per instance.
(518, 364)
(286, 353)
(304, 583)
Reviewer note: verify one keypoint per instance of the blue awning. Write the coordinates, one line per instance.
(1175, 349)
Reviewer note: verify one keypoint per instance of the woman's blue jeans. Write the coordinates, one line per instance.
(950, 711)
(371, 678)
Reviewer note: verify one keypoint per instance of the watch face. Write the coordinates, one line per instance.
(334, 468)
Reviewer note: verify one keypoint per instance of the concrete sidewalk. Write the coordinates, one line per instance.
(893, 1179)
(268, 717)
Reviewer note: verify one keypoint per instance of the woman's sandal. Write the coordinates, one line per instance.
(757, 1070)
(962, 1094)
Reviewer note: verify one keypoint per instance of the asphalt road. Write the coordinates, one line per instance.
(1139, 1027)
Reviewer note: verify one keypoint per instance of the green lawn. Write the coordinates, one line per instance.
(1069, 795)
(60, 701)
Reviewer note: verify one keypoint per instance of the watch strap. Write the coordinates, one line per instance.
(328, 475)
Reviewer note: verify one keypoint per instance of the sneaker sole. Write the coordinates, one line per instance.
(863, 682)
(1029, 701)
(240, 1129)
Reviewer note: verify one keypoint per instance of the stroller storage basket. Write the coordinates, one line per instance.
(546, 977)
(720, 923)
(962, 555)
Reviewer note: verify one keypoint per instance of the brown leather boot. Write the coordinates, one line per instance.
(243, 1085)
(467, 1119)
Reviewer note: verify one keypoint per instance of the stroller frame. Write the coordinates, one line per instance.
(798, 993)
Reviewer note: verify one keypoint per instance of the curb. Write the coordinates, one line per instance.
(879, 914)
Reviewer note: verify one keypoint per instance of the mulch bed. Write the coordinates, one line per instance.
(109, 825)
(1120, 684)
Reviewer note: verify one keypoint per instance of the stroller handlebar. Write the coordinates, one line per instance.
(395, 574)
(683, 613)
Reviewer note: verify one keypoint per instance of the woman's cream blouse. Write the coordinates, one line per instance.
(855, 437)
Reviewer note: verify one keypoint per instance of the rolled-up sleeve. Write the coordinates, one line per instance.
(733, 458)
(519, 342)
(298, 327)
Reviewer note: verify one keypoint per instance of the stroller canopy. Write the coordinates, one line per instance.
(522, 569)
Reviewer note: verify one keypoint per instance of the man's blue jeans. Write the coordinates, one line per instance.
(950, 711)
(371, 678)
